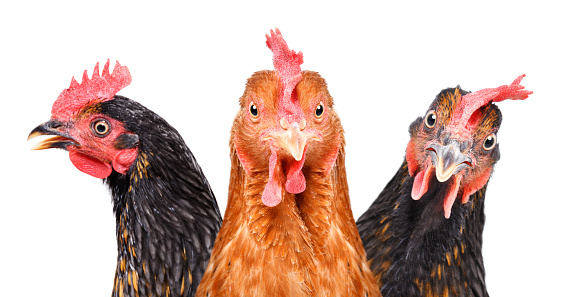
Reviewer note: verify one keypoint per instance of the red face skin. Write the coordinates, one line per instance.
(458, 156)
(456, 141)
(283, 116)
(91, 139)
(280, 141)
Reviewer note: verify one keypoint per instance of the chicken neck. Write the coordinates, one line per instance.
(428, 254)
(290, 249)
(167, 216)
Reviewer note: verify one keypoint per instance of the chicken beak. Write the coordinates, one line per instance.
(448, 160)
(292, 138)
(61, 140)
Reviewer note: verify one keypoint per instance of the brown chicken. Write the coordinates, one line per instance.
(288, 228)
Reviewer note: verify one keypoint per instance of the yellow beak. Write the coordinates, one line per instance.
(292, 138)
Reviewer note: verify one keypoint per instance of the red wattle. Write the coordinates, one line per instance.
(466, 194)
(295, 181)
(90, 165)
(418, 186)
(455, 182)
(421, 183)
(272, 194)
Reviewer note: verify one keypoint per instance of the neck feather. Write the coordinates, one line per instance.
(167, 216)
(414, 250)
(296, 244)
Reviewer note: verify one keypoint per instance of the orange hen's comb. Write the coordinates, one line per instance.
(99, 88)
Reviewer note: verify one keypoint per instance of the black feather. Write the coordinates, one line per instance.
(163, 206)
(413, 250)
(416, 242)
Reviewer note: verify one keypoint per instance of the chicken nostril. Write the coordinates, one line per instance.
(302, 124)
(284, 123)
(55, 124)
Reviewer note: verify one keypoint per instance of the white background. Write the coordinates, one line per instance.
(384, 64)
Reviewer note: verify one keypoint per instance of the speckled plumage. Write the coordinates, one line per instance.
(167, 216)
(413, 250)
(412, 253)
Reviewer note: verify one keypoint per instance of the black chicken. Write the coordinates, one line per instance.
(419, 240)
(167, 215)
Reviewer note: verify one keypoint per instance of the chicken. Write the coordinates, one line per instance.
(167, 215)
(423, 234)
(288, 227)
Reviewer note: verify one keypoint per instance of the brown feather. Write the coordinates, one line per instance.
(308, 245)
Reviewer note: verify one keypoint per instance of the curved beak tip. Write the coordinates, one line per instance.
(293, 139)
(32, 135)
(448, 160)
(38, 131)
(59, 139)
(297, 155)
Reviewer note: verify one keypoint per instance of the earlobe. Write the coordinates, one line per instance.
(412, 162)
(124, 159)
(331, 159)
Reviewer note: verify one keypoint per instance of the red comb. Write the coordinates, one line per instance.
(473, 101)
(287, 62)
(96, 89)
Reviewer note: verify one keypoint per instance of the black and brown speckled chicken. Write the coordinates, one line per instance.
(167, 216)
(420, 240)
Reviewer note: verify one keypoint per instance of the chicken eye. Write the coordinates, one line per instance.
(100, 127)
(431, 119)
(319, 110)
(489, 142)
(253, 110)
